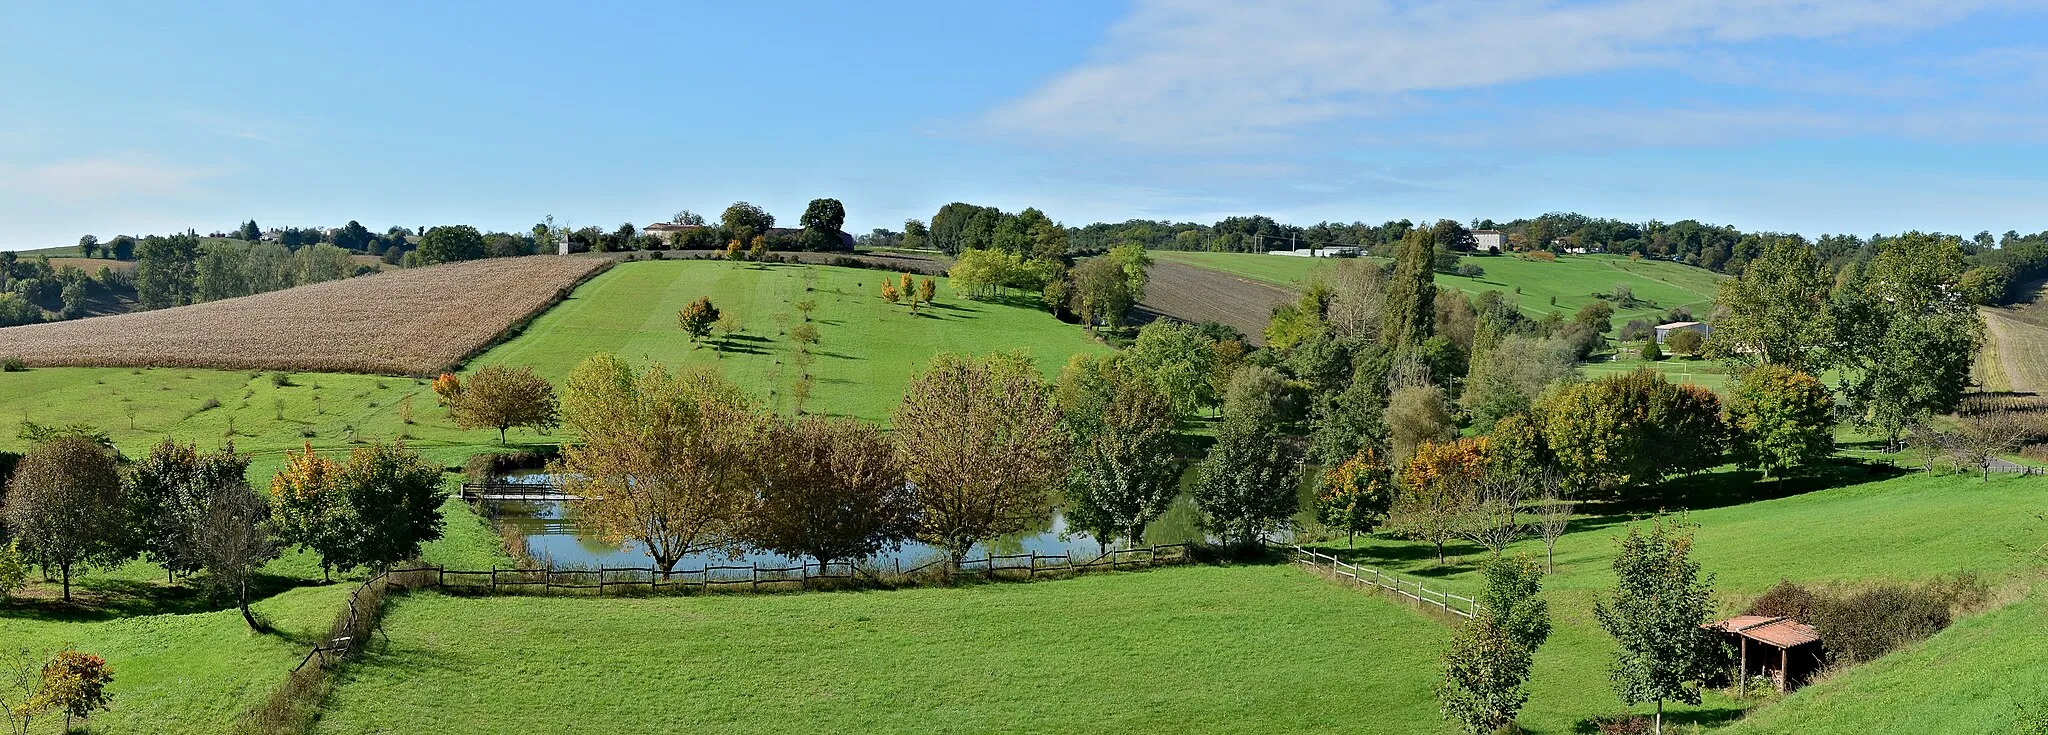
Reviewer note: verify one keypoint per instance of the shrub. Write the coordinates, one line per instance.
(1786, 599)
(210, 404)
(1637, 329)
(1650, 351)
(281, 380)
(1471, 270)
(1868, 624)
(12, 365)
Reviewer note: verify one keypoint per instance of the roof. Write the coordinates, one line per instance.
(669, 227)
(1488, 232)
(1774, 631)
(1678, 325)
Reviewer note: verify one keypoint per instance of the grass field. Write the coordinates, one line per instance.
(867, 350)
(1903, 528)
(186, 664)
(1572, 280)
(1968, 680)
(411, 322)
(2015, 353)
(1262, 649)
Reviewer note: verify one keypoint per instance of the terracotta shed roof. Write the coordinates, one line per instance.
(1779, 632)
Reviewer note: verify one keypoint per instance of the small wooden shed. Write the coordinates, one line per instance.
(1784, 649)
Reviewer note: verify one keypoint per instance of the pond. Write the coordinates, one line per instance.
(553, 536)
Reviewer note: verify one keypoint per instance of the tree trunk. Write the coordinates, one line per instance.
(66, 567)
(1439, 551)
(243, 598)
(501, 436)
(1657, 726)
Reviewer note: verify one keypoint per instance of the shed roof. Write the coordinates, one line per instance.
(1775, 631)
(1678, 325)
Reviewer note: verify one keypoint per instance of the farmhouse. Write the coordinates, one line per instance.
(1784, 649)
(1490, 241)
(660, 229)
(1666, 330)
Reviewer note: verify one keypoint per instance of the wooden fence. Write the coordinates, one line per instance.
(756, 577)
(1370, 577)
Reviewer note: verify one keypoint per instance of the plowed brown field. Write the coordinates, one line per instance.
(1195, 294)
(408, 322)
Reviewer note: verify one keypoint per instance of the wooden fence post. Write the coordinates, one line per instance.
(1031, 572)
(494, 579)
(989, 560)
(754, 578)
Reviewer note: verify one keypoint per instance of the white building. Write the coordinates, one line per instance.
(1338, 251)
(1666, 330)
(1490, 241)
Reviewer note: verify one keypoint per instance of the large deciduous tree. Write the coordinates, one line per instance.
(393, 499)
(232, 540)
(1780, 419)
(743, 221)
(1631, 429)
(1126, 467)
(1771, 315)
(981, 443)
(308, 509)
(168, 493)
(829, 489)
(1907, 333)
(450, 243)
(64, 504)
(1657, 616)
(502, 397)
(1439, 486)
(1249, 485)
(666, 459)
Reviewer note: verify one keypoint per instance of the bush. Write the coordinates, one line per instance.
(1873, 622)
(490, 465)
(280, 380)
(1471, 270)
(1651, 351)
(1786, 599)
(12, 365)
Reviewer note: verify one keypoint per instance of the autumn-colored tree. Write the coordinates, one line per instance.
(927, 289)
(981, 442)
(13, 569)
(308, 508)
(71, 682)
(502, 397)
(1780, 419)
(889, 292)
(828, 489)
(907, 286)
(666, 459)
(1356, 495)
(697, 318)
(447, 388)
(1439, 483)
(732, 251)
(759, 250)
(64, 504)
(1631, 429)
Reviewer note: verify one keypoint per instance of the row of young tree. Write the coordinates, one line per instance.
(74, 503)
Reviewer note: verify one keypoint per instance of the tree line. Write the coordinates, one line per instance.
(75, 503)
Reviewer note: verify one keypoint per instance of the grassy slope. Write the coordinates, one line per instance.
(1572, 279)
(1904, 528)
(181, 664)
(1987, 666)
(1195, 650)
(867, 351)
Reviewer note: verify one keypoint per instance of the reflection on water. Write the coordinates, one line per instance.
(553, 535)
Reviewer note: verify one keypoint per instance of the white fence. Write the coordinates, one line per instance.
(1370, 577)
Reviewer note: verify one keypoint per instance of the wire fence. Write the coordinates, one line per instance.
(1464, 607)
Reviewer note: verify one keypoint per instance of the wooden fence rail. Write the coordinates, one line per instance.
(1370, 577)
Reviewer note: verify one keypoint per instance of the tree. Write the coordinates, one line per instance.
(1597, 315)
(13, 569)
(688, 218)
(1177, 358)
(829, 489)
(354, 236)
(824, 214)
(1411, 293)
(915, 235)
(71, 682)
(1780, 419)
(1768, 315)
(1249, 484)
(1907, 334)
(393, 502)
(1685, 342)
(927, 289)
(122, 247)
(233, 540)
(697, 318)
(1650, 351)
(1417, 414)
(64, 504)
(666, 459)
(166, 271)
(889, 293)
(743, 221)
(1979, 438)
(249, 231)
(1102, 292)
(88, 245)
(1438, 488)
(1492, 654)
(449, 244)
(1553, 519)
(1508, 376)
(981, 443)
(1657, 616)
(500, 397)
(168, 493)
(1125, 469)
(1629, 429)
(1356, 495)
(447, 388)
(308, 510)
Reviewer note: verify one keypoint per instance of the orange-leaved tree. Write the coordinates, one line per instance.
(1438, 484)
(1356, 494)
(308, 508)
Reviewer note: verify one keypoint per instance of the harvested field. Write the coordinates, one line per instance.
(1195, 294)
(881, 260)
(408, 322)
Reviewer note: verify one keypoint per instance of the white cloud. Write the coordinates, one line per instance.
(1208, 73)
(101, 178)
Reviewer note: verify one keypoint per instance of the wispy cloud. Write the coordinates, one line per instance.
(102, 178)
(1211, 73)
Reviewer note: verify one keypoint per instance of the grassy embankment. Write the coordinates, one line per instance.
(1236, 649)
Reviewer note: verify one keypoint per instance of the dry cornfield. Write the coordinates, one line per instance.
(409, 322)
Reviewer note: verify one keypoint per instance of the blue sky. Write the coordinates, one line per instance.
(1811, 116)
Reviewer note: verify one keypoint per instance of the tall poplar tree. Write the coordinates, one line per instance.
(1411, 293)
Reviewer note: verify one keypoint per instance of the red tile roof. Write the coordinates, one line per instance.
(1779, 632)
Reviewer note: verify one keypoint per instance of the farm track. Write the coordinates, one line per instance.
(1195, 294)
(410, 322)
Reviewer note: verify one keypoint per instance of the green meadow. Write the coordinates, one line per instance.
(1572, 281)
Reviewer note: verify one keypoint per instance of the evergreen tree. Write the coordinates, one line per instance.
(1411, 293)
